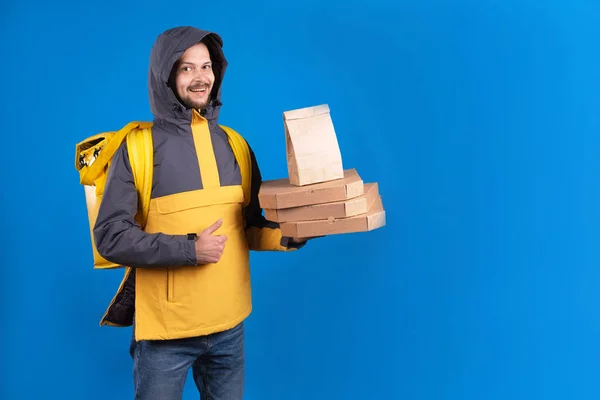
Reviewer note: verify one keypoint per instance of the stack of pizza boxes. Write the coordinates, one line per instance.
(319, 197)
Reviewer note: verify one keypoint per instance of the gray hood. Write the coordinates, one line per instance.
(168, 48)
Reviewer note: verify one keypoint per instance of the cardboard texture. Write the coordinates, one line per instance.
(280, 193)
(373, 219)
(313, 153)
(338, 209)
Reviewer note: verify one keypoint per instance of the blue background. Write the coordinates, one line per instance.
(479, 120)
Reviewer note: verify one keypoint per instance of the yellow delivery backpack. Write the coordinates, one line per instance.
(93, 159)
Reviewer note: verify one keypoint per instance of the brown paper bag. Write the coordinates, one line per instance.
(313, 153)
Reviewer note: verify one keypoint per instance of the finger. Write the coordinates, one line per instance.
(216, 251)
(213, 227)
(213, 258)
(220, 239)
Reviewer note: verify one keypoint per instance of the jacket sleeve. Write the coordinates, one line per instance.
(120, 239)
(263, 235)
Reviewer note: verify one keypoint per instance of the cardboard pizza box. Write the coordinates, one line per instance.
(373, 219)
(338, 209)
(281, 193)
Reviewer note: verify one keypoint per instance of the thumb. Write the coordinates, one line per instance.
(213, 227)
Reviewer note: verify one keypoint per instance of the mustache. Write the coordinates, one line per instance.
(199, 86)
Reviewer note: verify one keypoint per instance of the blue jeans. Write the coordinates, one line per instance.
(160, 367)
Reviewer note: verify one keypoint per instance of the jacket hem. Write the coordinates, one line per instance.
(192, 332)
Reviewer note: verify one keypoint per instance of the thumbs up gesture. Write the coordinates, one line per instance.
(209, 247)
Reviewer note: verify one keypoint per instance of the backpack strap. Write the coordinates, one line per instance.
(141, 157)
(140, 150)
(241, 152)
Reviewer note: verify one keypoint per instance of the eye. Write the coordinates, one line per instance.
(207, 66)
(186, 68)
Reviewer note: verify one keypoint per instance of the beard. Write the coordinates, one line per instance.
(197, 105)
(194, 103)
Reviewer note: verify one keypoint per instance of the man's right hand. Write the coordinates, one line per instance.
(209, 247)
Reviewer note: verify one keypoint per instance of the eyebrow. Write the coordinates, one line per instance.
(191, 63)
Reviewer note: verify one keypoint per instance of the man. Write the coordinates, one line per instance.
(189, 290)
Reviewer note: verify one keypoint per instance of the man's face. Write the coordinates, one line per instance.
(194, 77)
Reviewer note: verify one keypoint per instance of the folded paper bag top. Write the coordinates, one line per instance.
(312, 149)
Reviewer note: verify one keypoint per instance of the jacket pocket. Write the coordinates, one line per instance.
(170, 284)
(178, 203)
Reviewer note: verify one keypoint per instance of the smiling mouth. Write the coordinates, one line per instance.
(198, 90)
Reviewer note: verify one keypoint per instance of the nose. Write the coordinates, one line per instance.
(200, 75)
